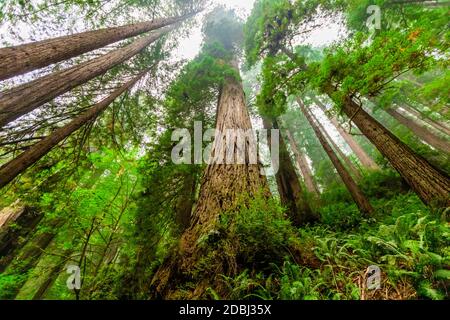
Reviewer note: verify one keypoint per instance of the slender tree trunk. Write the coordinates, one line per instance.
(303, 166)
(18, 165)
(16, 223)
(27, 97)
(222, 189)
(27, 57)
(430, 184)
(338, 150)
(365, 159)
(436, 125)
(288, 183)
(359, 198)
(422, 132)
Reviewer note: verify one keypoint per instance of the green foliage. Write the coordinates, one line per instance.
(111, 195)
(383, 184)
(342, 214)
(409, 244)
(8, 285)
(251, 226)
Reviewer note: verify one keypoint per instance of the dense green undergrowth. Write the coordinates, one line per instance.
(408, 241)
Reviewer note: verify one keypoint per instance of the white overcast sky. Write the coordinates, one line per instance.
(190, 46)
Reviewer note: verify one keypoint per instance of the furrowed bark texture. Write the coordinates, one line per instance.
(27, 97)
(27, 57)
(223, 188)
(430, 184)
(19, 164)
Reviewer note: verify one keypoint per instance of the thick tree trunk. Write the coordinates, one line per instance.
(430, 184)
(359, 198)
(288, 183)
(27, 97)
(222, 190)
(420, 131)
(18, 165)
(27, 57)
(303, 166)
(16, 223)
(365, 159)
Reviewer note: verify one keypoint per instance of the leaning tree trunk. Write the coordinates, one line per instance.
(420, 131)
(303, 166)
(288, 183)
(340, 153)
(436, 125)
(363, 157)
(18, 165)
(27, 57)
(223, 188)
(430, 184)
(357, 195)
(27, 97)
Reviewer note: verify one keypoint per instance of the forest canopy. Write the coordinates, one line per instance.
(203, 149)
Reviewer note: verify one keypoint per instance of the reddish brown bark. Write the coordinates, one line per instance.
(223, 188)
(303, 166)
(25, 98)
(27, 57)
(288, 183)
(430, 184)
(357, 195)
(19, 164)
(363, 157)
(420, 131)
